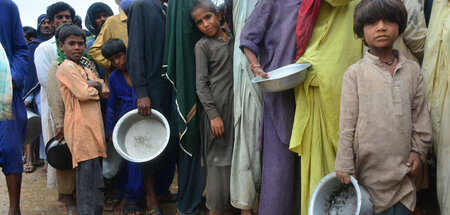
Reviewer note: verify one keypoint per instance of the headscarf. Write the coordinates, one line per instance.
(307, 17)
(93, 10)
(40, 37)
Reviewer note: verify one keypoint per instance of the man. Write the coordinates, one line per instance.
(12, 132)
(30, 33)
(31, 92)
(146, 28)
(58, 14)
(114, 27)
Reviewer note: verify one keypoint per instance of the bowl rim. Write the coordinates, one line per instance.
(126, 117)
(259, 79)
(332, 176)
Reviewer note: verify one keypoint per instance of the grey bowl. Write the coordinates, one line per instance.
(140, 138)
(326, 198)
(34, 127)
(283, 78)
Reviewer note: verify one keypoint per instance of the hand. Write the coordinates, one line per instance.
(217, 127)
(92, 83)
(59, 134)
(258, 71)
(344, 177)
(27, 104)
(414, 162)
(144, 106)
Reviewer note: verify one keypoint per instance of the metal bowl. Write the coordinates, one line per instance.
(283, 78)
(333, 197)
(34, 127)
(140, 138)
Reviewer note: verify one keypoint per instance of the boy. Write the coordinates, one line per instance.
(83, 125)
(385, 127)
(122, 99)
(214, 83)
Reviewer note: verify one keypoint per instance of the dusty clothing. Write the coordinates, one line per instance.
(383, 119)
(65, 181)
(83, 124)
(245, 175)
(436, 72)
(218, 188)
(89, 182)
(214, 81)
(54, 97)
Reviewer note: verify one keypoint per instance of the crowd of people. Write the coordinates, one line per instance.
(375, 104)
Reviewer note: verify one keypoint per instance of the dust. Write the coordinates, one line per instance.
(343, 201)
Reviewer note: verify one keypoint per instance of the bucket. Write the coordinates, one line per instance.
(34, 127)
(331, 197)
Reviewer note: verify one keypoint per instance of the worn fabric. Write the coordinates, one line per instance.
(218, 188)
(397, 209)
(179, 68)
(114, 27)
(12, 132)
(83, 125)
(214, 83)
(65, 181)
(44, 55)
(54, 97)
(89, 182)
(6, 90)
(128, 182)
(93, 10)
(246, 162)
(372, 103)
(270, 34)
(306, 21)
(332, 48)
(191, 181)
(436, 73)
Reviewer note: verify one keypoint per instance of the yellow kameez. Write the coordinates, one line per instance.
(436, 73)
(332, 48)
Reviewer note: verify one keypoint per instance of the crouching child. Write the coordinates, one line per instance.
(83, 125)
(385, 128)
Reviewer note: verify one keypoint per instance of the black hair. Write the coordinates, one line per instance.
(30, 32)
(58, 7)
(112, 47)
(68, 30)
(368, 11)
(204, 4)
(77, 21)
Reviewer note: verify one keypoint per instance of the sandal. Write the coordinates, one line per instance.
(131, 207)
(156, 211)
(110, 204)
(28, 167)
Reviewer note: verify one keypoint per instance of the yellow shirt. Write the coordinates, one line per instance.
(83, 123)
(114, 27)
(332, 48)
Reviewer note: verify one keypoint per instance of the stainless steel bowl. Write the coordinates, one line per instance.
(326, 198)
(283, 78)
(34, 127)
(140, 138)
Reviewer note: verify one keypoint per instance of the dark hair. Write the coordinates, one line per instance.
(30, 32)
(77, 21)
(58, 7)
(204, 4)
(69, 30)
(113, 47)
(367, 11)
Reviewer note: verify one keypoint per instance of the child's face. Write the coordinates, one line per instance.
(381, 34)
(119, 61)
(73, 47)
(207, 22)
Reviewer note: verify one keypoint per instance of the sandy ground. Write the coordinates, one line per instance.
(37, 199)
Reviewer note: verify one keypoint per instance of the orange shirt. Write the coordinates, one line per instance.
(83, 124)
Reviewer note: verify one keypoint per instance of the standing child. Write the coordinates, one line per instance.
(83, 125)
(214, 81)
(385, 127)
(129, 186)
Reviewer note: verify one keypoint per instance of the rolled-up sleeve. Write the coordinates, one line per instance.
(255, 27)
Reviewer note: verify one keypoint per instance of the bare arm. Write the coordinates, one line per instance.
(255, 67)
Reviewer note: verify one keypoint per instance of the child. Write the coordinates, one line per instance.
(385, 127)
(214, 83)
(83, 125)
(122, 99)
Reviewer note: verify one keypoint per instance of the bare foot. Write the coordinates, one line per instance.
(14, 211)
(60, 202)
(118, 209)
(246, 212)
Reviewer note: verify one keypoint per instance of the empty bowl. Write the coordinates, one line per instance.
(283, 78)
